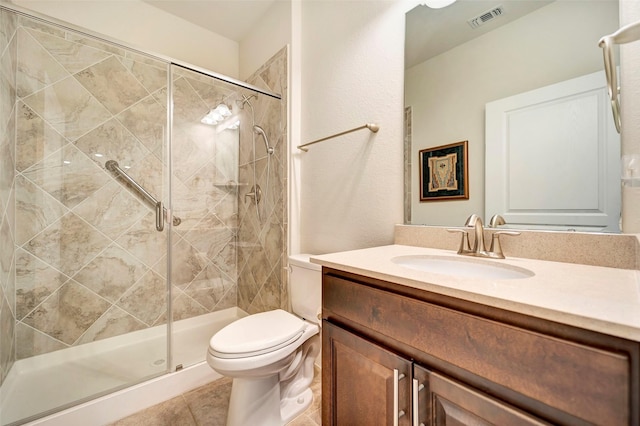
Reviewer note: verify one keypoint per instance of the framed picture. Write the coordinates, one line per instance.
(444, 172)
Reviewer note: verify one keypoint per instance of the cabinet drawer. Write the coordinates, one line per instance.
(585, 382)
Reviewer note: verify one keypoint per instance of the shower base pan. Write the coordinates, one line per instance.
(69, 377)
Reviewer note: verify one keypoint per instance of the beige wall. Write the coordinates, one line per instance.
(267, 37)
(630, 111)
(139, 24)
(351, 192)
(352, 73)
(630, 81)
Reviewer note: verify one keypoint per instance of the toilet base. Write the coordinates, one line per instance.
(255, 401)
(290, 408)
(275, 399)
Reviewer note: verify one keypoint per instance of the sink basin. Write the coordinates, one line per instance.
(462, 267)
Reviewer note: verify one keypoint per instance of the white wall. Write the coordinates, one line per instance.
(449, 106)
(352, 65)
(270, 34)
(141, 25)
(294, 125)
(352, 73)
(630, 81)
(630, 112)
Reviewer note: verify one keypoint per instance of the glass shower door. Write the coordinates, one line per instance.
(228, 251)
(205, 196)
(87, 272)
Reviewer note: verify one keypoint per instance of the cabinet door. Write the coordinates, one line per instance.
(447, 402)
(362, 383)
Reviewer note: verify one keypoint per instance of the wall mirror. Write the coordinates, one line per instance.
(474, 53)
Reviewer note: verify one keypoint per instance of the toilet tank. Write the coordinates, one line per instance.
(305, 287)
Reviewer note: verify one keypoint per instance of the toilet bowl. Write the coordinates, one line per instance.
(271, 355)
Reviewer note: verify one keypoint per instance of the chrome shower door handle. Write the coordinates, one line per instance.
(113, 167)
(159, 217)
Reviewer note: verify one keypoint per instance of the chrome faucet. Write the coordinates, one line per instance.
(479, 248)
(475, 222)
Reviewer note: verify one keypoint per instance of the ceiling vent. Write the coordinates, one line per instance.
(485, 17)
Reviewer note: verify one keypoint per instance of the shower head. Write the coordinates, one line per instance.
(260, 131)
(246, 100)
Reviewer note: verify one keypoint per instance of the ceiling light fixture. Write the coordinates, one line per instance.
(438, 4)
(233, 125)
(216, 115)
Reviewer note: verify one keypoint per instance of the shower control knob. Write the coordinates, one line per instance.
(255, 193)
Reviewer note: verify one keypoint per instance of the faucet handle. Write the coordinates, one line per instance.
(496, 248)
(463, 240)
(496, 220)
(471, 220)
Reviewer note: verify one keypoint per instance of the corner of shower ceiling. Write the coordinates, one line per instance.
(262, 245)
(8, 66)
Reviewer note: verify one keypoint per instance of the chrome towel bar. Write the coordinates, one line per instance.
(161, 212)
(371, 126)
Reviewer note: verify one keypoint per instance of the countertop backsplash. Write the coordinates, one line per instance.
(609, 250)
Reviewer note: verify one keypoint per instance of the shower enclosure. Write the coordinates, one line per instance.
(126, 234)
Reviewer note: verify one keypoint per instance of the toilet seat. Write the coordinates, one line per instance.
(257, 334)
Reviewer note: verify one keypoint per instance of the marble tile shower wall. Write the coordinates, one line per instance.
(8, 65)
(408, 134)
(89, 262)
(205, 162)
(262, 250)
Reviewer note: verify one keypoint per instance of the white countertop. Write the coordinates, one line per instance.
(596, 298)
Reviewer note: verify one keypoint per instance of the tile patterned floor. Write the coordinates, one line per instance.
(207, 406)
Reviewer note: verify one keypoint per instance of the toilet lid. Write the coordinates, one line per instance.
(257, 334)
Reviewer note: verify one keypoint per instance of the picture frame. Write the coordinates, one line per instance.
(444, 172)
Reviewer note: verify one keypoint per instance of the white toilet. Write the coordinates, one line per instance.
(270, 355)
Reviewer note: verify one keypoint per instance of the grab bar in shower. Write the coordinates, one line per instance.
(371, 126)
(161, 212)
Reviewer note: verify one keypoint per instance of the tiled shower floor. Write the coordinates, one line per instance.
(207, 406)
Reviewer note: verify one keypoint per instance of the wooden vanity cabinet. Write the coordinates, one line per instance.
(398, 355)
(369, 385)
